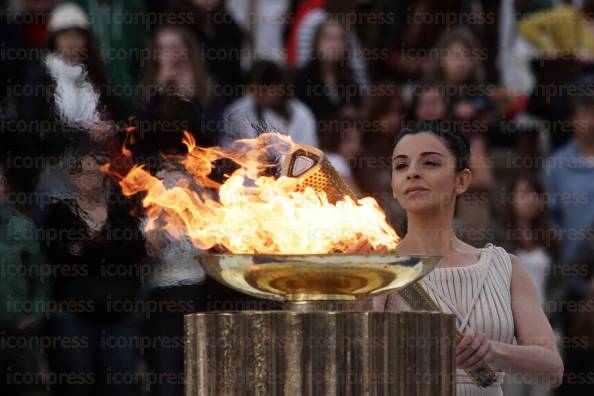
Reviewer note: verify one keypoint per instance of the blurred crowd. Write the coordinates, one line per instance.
(90, 306)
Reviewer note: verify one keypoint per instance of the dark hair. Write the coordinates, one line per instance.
(341, 69)
(421, 88)
(94, 66)
(465, 36)
(265, 72)
(455, 141)
(539, 232)
(198, 66)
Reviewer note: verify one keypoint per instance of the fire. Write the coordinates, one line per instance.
(254, 210)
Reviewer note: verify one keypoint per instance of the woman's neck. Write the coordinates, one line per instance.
(430, 234)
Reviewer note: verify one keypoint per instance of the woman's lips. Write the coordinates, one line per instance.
(414, 190)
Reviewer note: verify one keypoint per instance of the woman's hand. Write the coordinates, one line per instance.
(473, 349)
(364, 246)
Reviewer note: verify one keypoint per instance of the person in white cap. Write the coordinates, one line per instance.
(70, 135)
(80, 91)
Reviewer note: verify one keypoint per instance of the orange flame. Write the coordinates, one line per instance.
(251, 212)
(129, 139)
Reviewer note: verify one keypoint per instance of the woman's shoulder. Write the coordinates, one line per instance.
(501, 258)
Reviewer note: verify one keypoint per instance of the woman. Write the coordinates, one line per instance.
(528, 236)
(527, 231)
(487, 289)
(72, 102)
(429, 102)
(97, 254)
(178, 97)
(222, 40)
(325, 84)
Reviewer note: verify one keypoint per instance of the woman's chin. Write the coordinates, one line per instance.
(418, 205)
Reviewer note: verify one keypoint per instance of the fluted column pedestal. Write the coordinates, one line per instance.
(306, 351)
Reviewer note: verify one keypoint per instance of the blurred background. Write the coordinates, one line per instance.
(89, 306)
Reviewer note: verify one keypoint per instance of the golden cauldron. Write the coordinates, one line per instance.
(322, 344)
(310, 277)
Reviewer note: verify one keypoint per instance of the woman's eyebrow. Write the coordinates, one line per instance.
(424, 153)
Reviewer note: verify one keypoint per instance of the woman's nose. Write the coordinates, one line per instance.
(412, 173)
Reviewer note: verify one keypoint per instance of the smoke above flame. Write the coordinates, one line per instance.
(255, 209)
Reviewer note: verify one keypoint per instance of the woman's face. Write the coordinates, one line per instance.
(71, 44)
(331, 44)
(526, 203)
(457, 63)
(430, 105)
(423, 163)
(171, 49)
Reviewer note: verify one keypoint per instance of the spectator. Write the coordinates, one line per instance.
(429, 103)
(270, 104)
(119, 41)
(97, 284)
(528, 236)
(24, 292)
(325, 84)
(527, 231)
(177, 94)
(223, 42)
(74, 109)
(578, 323)
(567, 176)
(302, 37)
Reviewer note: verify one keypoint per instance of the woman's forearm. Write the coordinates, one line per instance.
(534, 363)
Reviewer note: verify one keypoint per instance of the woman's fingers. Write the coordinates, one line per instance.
(360, 247)
(471, 350)
(364, 246)
(478, 357)
(465, 341)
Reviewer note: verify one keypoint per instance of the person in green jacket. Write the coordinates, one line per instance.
(24, 290)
